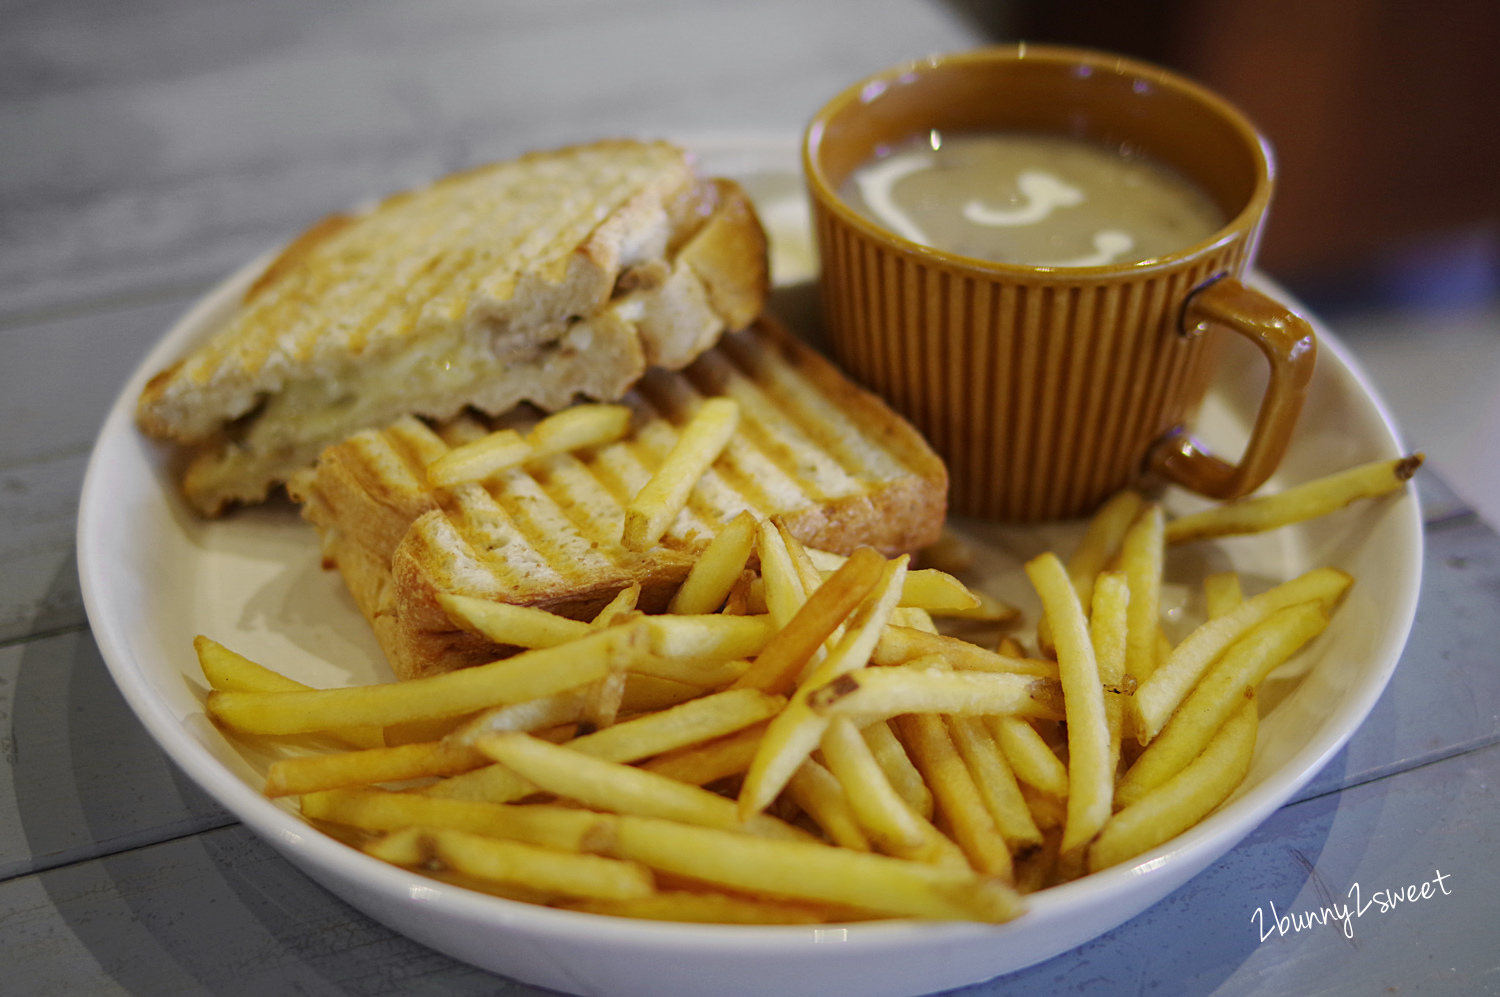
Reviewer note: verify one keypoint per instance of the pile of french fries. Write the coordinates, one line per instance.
(794, 741)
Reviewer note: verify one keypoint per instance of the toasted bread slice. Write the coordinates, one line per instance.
(553, 276)
(831, 458)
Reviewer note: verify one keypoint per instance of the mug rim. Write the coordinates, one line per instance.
(1242, 225)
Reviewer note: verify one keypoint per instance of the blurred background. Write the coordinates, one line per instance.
(147, 147)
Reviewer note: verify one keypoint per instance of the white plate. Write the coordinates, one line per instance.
(154, 576)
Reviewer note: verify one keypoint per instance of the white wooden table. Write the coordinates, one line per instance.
(146, 149)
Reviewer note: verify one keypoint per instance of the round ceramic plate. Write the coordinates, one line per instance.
(154, 576)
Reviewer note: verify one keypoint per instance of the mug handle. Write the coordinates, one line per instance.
(1289, 345)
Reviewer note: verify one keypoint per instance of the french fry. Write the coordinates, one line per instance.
(996, 784)
(564, 828)
(1033, 762)
(1091, 776)
(602, 699)
(703, 673)
(879, 693)
(1050, 812)
(784, 655)
(503, 623)
(796, 731)
(1183, 800)
(1107, 632)
(987, 609)
(547, 870)
(781, 583)
(1157, 697)
(958, 798)
(815, 872)
(813, 788)
(1219, 694)
(1302, 502)
(229, 671)
(478, 460)
(652, 511)
(1222, 593)
(693, 722)
(579, 427)
(708, 637)
(938, 592)
(528, 675)
(717, 569)
(1141, 554)
(701, 764)
(904, 778)
(807, 572)
(310, 773)
(878, 808)
(1100, 542)
(605, 785)
(899, 645)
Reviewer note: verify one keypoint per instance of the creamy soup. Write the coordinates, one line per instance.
(1036, 200)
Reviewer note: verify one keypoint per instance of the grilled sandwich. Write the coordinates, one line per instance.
(831, 458)
(547, 278)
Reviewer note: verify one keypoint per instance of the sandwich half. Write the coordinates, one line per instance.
(551, 277)
(833, 460)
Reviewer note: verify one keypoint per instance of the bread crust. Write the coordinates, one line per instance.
(474, 310)
(837, 463)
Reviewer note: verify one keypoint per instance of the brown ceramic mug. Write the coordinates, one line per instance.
(1048, 388)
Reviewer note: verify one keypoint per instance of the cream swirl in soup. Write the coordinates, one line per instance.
(1034, 200)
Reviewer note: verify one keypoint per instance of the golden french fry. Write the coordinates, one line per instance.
(815, 872)
(1107, 632)
(807, 572)
(503, 623)
(796, 731)
(1218, 694)
(1156, 698)
(996, 783)
(703, 673)
(899, 645)
(602, 699)
(1302, 502)
(565, 828)
(229, 671)
(815, 790)
(877, 807)
(1033, 762)
(652, 511)
(478, 460)
(579, 427)
(1222, 593)
(879, 693)
(700, 907)
(1050, 812)
(708, 637)
(781, 661)
(1009, 647)
(1091, 774)
(958, 798)
(528, 675)
(310, 773)
(987, 609)
(904, 778)
(701, 764)
(605, 785)
(781, 584)
(717, 569)
(1101, 540)
(1183, 800)
(545, 869)
(693, 722)
(937, 592)
(1141, 555)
